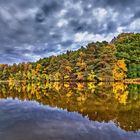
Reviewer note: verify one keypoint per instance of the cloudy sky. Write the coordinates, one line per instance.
(33, 29)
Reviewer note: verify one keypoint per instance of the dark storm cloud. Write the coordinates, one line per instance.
(118, 2)
(47, 9)
(50, 7)
(115, 3)
(31, 29)
(137, 14)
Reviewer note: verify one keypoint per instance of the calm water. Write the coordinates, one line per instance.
(81, 111)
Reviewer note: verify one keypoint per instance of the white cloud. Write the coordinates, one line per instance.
(135, 25)
(62, 12)
(76, 6)
(104, 15)
(89, 6)
(120, 29)
(65, 37)
(82, 37)
(61, 23)
(100, 14)
(86, 37)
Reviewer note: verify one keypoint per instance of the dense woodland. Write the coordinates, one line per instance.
(100, 61)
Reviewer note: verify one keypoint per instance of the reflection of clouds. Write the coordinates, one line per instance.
(42, 121)
(89, 99)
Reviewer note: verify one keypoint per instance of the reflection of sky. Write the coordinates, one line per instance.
(30, 29)
(31, 121)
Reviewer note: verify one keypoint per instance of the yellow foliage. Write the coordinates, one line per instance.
(69, 94)
(80, 86)
(91, 86)
(81, 98)
(66, 85)
(121, 64)
(68, 68)
(91, 76)
(121, 93)
(120, 69)
(80, 76)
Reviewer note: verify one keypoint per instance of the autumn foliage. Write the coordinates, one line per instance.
(120, 69)
(100, 61)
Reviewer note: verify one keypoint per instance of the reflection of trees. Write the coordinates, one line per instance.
(120, 92)
(101, 102)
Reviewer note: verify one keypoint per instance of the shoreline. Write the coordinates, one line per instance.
(127, 81)
(132, 81)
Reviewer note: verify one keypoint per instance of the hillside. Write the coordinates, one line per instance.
(117, 60)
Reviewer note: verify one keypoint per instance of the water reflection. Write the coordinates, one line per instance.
(30, 121)
(117, 102)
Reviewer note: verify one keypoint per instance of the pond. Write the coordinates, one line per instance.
(69, 111)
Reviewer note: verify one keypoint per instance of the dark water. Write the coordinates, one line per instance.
(104, 111)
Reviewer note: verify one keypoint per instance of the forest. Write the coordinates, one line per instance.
(98, 61)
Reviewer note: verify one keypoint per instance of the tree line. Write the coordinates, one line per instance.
(100, 61)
